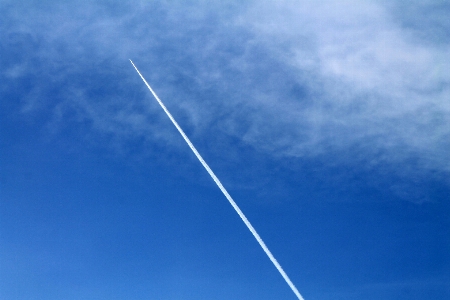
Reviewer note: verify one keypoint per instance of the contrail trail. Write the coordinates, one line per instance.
(224, 191)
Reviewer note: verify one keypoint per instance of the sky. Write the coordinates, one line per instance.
(328, 122)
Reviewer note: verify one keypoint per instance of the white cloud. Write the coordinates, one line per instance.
(376, 87)
(295, 78)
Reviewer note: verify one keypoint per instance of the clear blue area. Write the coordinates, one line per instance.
(328, 123)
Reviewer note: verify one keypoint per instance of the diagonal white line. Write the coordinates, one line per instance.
(224, 191)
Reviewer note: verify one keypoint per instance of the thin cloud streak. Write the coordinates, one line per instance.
(224, 191)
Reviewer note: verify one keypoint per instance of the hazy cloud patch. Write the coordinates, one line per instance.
(300, 79)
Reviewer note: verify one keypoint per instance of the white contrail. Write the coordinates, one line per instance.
(224, 191)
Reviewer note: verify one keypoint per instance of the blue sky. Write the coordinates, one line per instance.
(327, 121)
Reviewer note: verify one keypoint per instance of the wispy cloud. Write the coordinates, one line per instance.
(373, 86)
(297, 78)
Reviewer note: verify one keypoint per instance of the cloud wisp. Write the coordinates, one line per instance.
(224, 191)
(333, 79)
